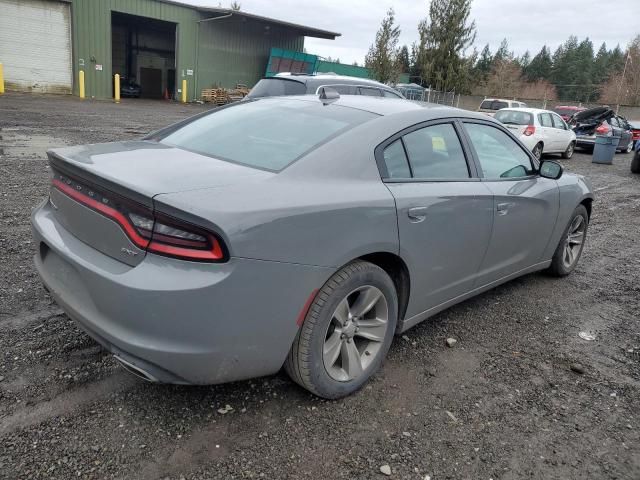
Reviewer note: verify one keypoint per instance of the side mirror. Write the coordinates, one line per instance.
(550, 169)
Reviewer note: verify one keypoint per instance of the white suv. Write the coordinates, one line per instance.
(491, 105)
(542, 131)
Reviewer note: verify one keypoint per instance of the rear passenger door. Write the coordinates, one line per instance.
(525, 204)
(444, 211)
(548, 134)
(562, 133)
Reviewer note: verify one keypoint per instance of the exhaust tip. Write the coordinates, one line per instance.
(135, 370)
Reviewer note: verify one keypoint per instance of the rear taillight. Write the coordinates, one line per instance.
(157, 233)
(530, 130)
(603, 128)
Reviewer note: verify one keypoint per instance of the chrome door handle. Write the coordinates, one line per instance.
(417, 214)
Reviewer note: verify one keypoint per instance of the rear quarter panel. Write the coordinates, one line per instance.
(326, 209)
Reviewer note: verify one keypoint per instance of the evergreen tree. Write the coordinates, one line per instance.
(524, 60)
(599, 70)
(540, 66)
(503, 53)
(382, 58)
(405, 65)
(482, 67)
(616, 60)
(444, 37)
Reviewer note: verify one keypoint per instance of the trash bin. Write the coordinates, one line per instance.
(605, 149)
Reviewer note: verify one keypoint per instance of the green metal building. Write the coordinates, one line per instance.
(156, 43)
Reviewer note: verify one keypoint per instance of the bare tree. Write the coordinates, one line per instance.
(236, 6)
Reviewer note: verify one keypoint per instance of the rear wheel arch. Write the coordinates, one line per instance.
(397, 269)
(587, 202)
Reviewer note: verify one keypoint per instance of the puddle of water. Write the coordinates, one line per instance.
(16, 143)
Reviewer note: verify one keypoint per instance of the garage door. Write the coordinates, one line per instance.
(35, 45)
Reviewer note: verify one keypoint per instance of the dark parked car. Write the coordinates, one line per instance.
(635, 163)
(129, 88)
(567, 111)
(296, 231)
(601, 121)
(299, 84)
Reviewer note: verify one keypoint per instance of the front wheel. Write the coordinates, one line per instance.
(571, 244)
(346, 333)
(568, 153)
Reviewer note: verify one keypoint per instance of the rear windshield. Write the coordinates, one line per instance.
(493, 105)
(513, 117)
(266, 134)
(275, 87)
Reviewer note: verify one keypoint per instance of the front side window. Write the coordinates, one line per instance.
(268, 134)
(435, 152)
(390, 94)
(499, 154)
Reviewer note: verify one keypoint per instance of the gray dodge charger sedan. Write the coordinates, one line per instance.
(301, 232)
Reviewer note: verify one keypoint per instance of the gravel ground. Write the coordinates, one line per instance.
(503, 403)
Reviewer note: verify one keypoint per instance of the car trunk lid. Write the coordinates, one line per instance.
(98, 189)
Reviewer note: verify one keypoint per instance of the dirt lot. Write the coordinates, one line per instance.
(504, 403)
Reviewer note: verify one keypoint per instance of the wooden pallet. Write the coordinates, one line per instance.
(219, 96)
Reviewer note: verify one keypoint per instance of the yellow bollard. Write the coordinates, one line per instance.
(81, 83)
(1, 79)
(184, 91)
(116, 88)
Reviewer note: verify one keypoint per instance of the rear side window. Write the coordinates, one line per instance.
(275, 87)
(513, 117)
(545, 120)
(343, 89)
(499, 155)
(558, 122)
(396, 161)
(435, 153)
(371, 92)
(268, 134)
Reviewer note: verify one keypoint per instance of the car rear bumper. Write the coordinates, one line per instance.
(176, 321)
(585, 140)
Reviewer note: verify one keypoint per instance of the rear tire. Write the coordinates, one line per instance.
(568, 153)
(635, 162)
(571, 244)
(342, 343)
(537, 151)
(629, 148)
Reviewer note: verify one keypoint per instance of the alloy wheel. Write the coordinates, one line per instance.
(574, 241)
(629, 148)
(569, 152)
(356, 333)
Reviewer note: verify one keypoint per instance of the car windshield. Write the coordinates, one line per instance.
(266, 134)
(274, 87)
(513, 117)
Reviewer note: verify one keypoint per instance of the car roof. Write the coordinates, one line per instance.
(330, 77)
(387, 106)
(527, 110)
(501, 100)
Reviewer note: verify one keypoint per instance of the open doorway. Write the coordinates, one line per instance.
(143, 52)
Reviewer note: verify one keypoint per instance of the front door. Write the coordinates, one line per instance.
(525, 204)
(444, 212)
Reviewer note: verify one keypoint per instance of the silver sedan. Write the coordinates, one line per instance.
(301, 232)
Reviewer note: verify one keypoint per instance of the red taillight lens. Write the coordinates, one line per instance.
(530, 130)
(158, 233)
(603, 128)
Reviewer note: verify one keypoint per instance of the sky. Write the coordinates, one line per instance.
(527, 25)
